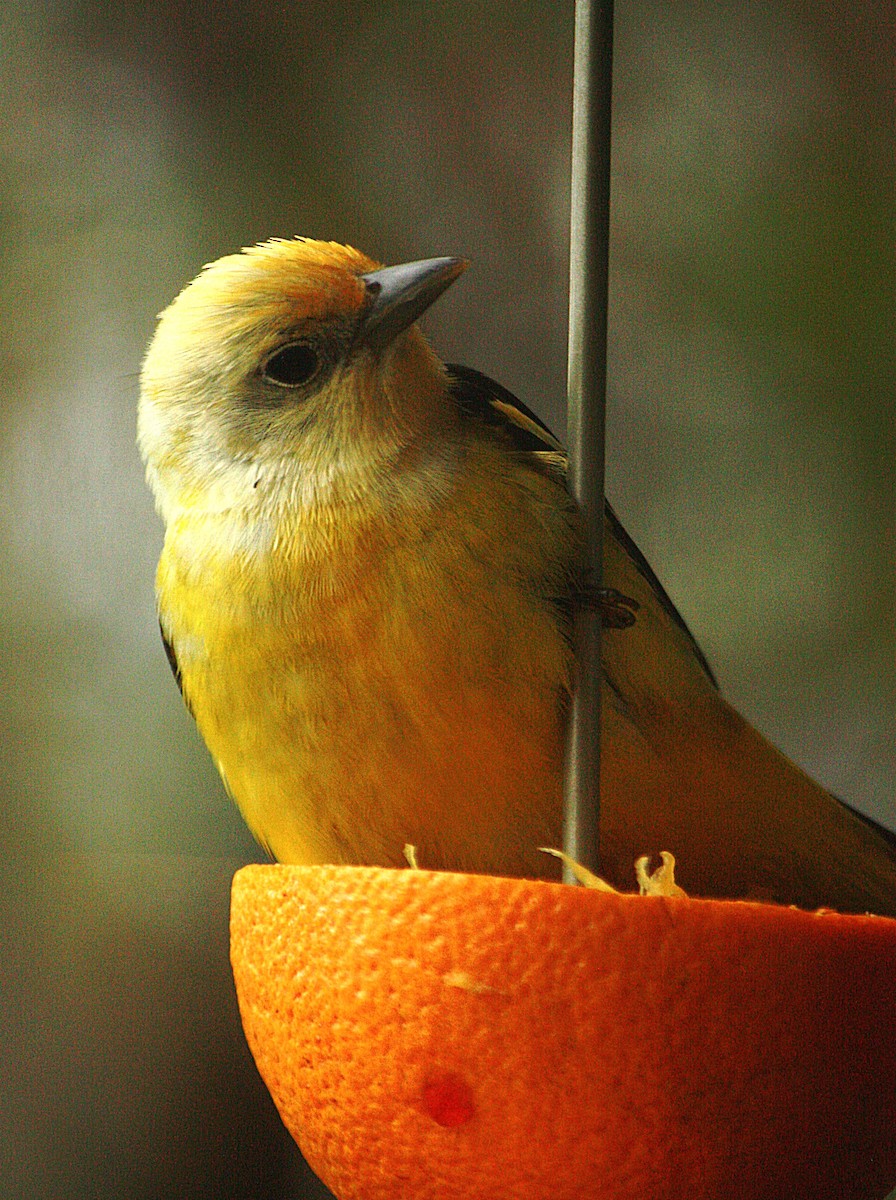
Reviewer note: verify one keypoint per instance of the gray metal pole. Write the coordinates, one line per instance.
(586, 396)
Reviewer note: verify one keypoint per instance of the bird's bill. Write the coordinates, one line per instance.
(397, 296)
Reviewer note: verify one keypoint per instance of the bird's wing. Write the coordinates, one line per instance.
(175, 668)
(481, 398)
(889, 835)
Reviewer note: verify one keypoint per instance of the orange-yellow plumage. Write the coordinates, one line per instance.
(366, 584)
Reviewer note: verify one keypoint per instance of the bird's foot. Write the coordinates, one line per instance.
(617, 611)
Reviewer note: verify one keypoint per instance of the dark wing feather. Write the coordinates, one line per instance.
(482, 399)
(889, 835)
(175, 669)
(645, 569)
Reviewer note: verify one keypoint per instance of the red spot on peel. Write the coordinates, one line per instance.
(448, 1099)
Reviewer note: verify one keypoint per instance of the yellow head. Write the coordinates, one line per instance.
(296, 365)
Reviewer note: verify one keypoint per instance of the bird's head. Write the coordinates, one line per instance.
(295, 366)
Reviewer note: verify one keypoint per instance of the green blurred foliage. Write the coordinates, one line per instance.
(751, 447)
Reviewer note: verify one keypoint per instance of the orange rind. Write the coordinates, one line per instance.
(432, 1036)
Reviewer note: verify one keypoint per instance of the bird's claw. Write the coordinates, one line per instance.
(617, 611)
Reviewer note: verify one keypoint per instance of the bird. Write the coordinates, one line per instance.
(370, 572)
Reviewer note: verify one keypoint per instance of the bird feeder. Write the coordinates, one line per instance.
(430, 1035)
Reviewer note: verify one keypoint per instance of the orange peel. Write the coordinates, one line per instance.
(436, 1036)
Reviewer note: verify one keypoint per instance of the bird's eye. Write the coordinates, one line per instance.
(292, 365)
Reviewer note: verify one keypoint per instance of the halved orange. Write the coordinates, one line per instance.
(429, 1036)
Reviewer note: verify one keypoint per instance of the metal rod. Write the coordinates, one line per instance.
(586, 397)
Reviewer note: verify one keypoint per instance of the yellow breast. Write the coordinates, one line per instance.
(383, 674)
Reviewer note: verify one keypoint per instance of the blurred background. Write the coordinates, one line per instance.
(751, 446)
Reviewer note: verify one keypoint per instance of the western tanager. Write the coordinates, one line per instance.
(370, 567)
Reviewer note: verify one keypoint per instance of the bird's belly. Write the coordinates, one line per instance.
(438, 727)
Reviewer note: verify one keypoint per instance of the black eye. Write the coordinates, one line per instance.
(293, 365)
